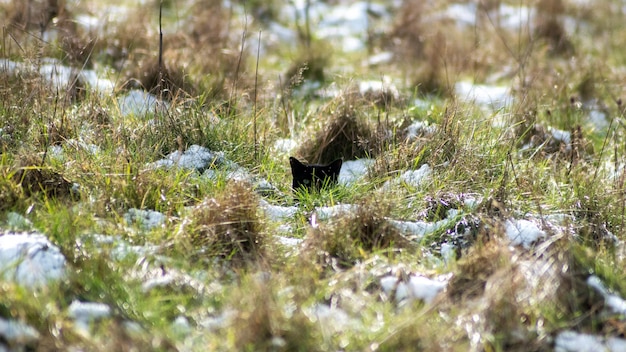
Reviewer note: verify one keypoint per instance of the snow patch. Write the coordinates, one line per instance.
(277, 212)
(571, 341)
(146, 219)
(614, 302)
(30, 259)
(417, 287)
(523, 232)
(194, 158)
(85, 313)
(412, 178)
(16, 333)
(325, 213)
(491, 96)
(352, 170)
(139, 103)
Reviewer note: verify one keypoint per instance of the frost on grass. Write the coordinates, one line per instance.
(30, 259)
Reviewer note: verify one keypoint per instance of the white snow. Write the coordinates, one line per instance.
(139, 103)
(598, 119)
(615, 303)
(571, 341)
(419, 129)
(491, 96)
(120, 248)
(412, 178)
(331, 319)
(523, 232)
(417, 287)
(380, 58)
(285, 145)
(58, 75)
(561, 136)
(380, 86)
(16, 333)
(30, 259)
(146, 219)
(416, 230)
(194, 158)
(277, 212)
(324, 213)
(289, 241)
(84, 313)
(352, 170)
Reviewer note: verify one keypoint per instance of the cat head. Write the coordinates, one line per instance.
(312, 176)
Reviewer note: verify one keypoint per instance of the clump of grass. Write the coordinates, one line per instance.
(309, 65)
(11, 192)
(442, 146)
(168, 82)
(343, 242)
(227, 226)
(475, 268)
(549, 26)
(346, 134)
(262, 323)
(36, 178)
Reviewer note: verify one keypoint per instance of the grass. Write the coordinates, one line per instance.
(220, 279)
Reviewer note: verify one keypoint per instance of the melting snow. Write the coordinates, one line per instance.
(416, 230)
(384, 86)
(613, 302)
(571, 341)
(417, 287)
(139, 103)
(352, 170)
(418, 129)
(412, 178)
(30, 259)
(495, 97)
(324, 213)
(277, 212)
(16, 333)
(194, 158)
(523, 232)
(146, 219)
(86, 312)
(58, 75)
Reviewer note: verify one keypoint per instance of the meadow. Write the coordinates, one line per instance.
(145, 186)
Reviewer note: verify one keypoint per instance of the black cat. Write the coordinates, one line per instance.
(314, 177)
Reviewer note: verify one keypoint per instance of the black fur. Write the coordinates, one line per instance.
(314, 177)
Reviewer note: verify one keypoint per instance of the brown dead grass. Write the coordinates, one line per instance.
(227, 226)
(344, 241)
(346, 134)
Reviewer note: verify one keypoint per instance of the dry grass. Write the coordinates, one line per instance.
(228, 227)
(343, 242)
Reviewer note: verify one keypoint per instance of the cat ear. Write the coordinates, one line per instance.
(295, 163)
(336, 165)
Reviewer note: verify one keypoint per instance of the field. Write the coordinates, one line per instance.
(145, 186)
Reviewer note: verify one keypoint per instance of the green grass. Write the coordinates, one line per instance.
(233, 281)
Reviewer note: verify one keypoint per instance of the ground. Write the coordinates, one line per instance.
(145, 189)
